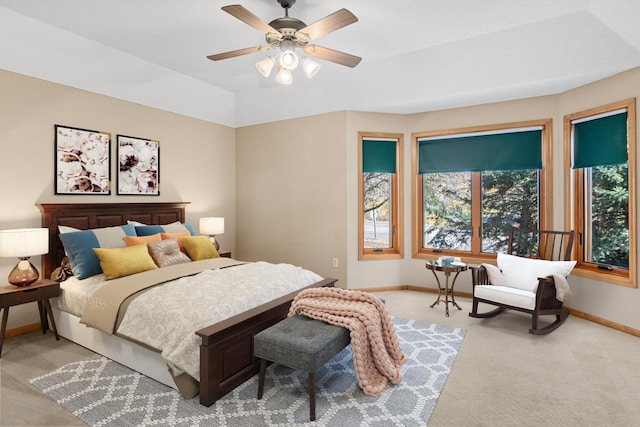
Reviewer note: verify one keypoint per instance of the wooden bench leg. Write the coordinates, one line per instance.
(263, 367)
(312, 396)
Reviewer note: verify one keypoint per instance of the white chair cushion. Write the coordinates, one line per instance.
(506, 295)
(523, 273)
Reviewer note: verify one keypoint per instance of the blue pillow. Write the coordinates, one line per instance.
(79, 247)
(174, 227)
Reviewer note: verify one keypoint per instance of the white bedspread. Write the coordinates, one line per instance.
(156, 319)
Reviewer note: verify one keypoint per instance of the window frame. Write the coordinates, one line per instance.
(395, 251)
(574, 187)
(475, 255)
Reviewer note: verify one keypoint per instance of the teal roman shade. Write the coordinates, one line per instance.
(486, 152)
(378, 156)
(600, 142)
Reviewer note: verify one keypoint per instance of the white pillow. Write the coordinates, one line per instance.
(67, 229)
(494, 274)
(522, 273)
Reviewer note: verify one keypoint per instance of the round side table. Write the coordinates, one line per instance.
(448, 290)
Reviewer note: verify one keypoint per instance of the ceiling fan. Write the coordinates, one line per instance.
(288, 34)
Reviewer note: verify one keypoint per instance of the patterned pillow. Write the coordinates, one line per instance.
(167, 252)
(177, 236)
(61, 273)
(78, 246)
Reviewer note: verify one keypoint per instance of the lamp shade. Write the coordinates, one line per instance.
(310, 67)
(25, 242)
(284, 76)
(265, 66)
(212, 226)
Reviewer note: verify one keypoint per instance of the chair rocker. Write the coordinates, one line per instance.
(541, 245)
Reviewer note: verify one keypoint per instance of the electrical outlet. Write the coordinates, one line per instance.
(335, 262)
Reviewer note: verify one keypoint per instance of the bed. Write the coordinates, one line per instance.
(226, 347)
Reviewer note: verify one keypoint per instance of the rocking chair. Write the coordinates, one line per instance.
(529, 287)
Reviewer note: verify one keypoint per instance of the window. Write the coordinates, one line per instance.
(600, 176)
(472, 185)
(380, 196)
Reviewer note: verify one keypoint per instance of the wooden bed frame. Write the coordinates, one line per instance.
(226, 350)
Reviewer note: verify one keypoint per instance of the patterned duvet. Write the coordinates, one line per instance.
(167, 316)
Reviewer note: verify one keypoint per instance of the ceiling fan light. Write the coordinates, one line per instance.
(265, 66)
(289, 60)
(284, 76)
(310, 67)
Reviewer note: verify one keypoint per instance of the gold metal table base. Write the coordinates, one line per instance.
(447, 290)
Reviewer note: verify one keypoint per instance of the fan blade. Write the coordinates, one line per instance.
(249, 18)
(332, 55)
(329, 23)
(234, 53)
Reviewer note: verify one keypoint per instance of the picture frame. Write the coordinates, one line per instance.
(138, 166)
(82, 161)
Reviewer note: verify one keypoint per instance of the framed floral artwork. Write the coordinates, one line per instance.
(138, 166)
(82, 161)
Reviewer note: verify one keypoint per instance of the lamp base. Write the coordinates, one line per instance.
(23, 274)
(214, 242)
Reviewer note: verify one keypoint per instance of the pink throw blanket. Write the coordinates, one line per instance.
(377, 355)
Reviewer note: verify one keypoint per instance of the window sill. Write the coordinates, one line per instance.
(612, 277)
(378, 256)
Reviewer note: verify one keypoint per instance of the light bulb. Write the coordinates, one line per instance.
(289, 60)
(288, 57)
(284, 76)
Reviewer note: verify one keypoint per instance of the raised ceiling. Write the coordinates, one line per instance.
(418, 55)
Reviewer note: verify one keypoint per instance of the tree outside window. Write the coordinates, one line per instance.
(378, 213)
(379, 196)
(474, 184)
(508, 199)
(600, 164)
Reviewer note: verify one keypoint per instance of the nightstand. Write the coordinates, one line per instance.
(39, 292)
(226, 254)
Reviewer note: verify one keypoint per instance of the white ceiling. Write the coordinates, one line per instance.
(418, 55)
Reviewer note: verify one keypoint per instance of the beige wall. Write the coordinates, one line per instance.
(259, 170)
(291, 193)
(197, 158)
(289, 188)
(390, 272)
(539, 108)
(616, 303)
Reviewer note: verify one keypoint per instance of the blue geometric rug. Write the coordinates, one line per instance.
(103, 393)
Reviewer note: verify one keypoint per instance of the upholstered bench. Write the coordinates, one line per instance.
(299, 343)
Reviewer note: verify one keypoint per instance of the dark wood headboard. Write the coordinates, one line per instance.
(97, 215)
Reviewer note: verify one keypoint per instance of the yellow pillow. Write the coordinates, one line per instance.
(177, 236)
(136, 240)
(199, 247)
(119, 262)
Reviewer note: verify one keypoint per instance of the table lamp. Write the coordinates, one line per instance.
(24, 243)
(212, 226)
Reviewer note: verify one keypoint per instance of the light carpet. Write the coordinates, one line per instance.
(104, 393)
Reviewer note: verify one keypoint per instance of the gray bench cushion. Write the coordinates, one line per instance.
(301, 343)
